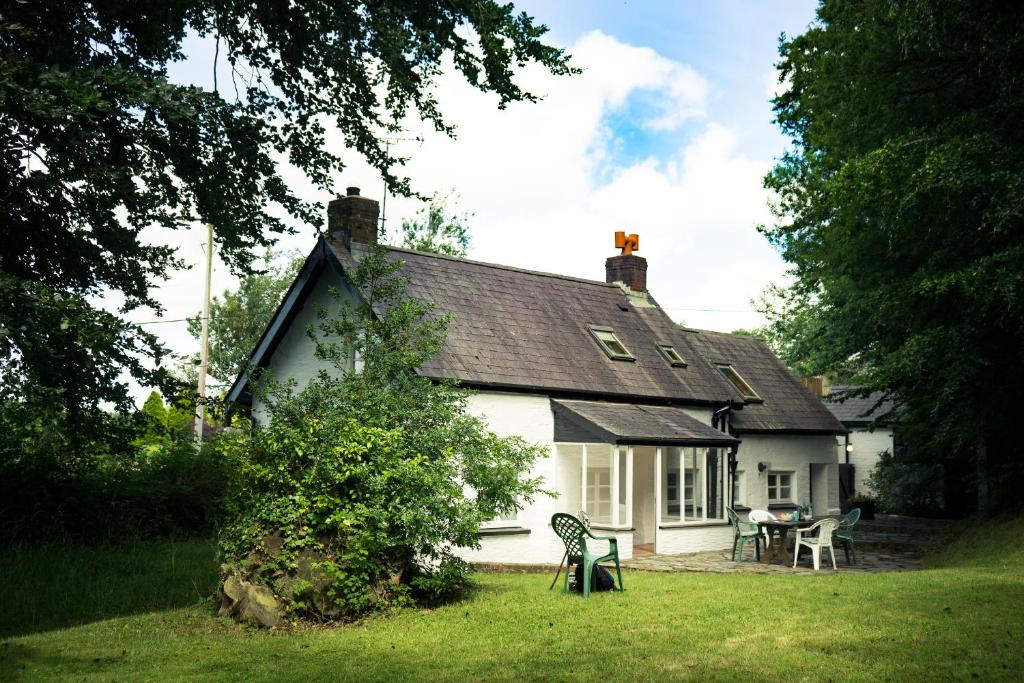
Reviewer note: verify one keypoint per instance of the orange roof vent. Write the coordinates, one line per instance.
(627, 243)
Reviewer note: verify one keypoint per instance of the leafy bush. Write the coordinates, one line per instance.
(352, 494)
(907, 486)
(56, 485)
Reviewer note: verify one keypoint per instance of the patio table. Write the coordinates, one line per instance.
(778, 532)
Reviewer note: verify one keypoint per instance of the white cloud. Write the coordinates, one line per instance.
(528, 173)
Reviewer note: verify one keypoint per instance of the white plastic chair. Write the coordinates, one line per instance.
(762, 516)
(823, 539)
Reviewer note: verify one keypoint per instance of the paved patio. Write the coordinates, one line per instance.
(887, 544)
(718, 561)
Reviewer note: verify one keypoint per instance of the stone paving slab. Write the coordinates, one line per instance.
(718, 561)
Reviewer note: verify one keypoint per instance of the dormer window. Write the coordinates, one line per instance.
(669, 353)
(741, 385)
(610, 344)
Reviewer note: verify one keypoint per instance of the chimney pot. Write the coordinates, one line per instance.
(353, 218)
(627, 267)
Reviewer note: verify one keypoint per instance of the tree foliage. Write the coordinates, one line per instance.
(352, 493)
(900, 209)
(436, 228)
(99, 145)
(238, 317)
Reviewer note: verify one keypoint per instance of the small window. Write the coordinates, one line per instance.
(780, 487)
(741, 385)
(669, 353)
(502, 521)
(610, 344)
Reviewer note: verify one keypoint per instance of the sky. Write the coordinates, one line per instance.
(667, 133)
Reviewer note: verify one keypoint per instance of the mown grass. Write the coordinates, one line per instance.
(960, 619)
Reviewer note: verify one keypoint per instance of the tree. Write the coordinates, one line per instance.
(239, 317)
(98, 145)
(162, 425)
(900, 211)
(437, 229)
(352, 493)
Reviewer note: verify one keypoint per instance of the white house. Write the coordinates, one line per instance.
(870, 435)
(650, 428)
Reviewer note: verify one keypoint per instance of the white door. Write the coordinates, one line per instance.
(643, 495)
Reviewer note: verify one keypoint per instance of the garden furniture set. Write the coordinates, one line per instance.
(762, 527)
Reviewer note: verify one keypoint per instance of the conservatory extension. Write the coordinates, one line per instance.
(657, 491)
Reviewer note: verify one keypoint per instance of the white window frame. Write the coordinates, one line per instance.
(617, 465)
(741, 385)
(778, 486)
(597, 330)
(688, 515)
(502, 522)
(669, 353)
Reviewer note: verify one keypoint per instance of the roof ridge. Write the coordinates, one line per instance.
(501, 266)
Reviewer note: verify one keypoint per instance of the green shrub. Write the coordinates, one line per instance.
(908, 486)
(101, 486)
(351, 494)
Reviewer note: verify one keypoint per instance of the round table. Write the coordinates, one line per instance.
(778, 532)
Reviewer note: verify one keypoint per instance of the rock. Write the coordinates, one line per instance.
(308, 569)
(272, 544)
(261, 607)
(250, 603)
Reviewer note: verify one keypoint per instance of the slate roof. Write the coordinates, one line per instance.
(786, 404)
(858, 411)
(529, 331)
(626, 423)
(513, 328)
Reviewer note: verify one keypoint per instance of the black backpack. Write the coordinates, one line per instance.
(601, 580)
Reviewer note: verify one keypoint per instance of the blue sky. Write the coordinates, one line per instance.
(667, 133)
(732, 43)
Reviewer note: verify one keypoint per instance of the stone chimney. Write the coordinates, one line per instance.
(353, 218)
(627, 267)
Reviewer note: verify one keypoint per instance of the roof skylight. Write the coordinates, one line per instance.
(669, 353)
(746, 391)
(610, 343)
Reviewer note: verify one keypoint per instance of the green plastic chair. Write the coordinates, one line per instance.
(744, 531)
(574, 535)
(844, 534)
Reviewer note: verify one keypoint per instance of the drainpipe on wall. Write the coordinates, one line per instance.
(846, 447)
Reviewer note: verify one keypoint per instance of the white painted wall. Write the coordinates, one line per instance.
(695, 538)
(294, 357)
(866, 447)
(788, 454)
(530, 417)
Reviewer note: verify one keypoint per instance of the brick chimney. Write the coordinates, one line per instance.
(353, 218)
(627, 267)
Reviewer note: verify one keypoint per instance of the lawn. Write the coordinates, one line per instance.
(106, 615)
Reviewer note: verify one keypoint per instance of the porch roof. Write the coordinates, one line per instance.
(629, 423)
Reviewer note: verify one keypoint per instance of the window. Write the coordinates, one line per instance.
(739, 492)
(599, 494)
(780, 487)
(669, 353)
(692, 485)
(672, 493)
(602, 482)
(501, 521)
(741, 385)
(610, 344)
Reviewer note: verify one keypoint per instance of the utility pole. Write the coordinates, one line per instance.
(205, 352)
